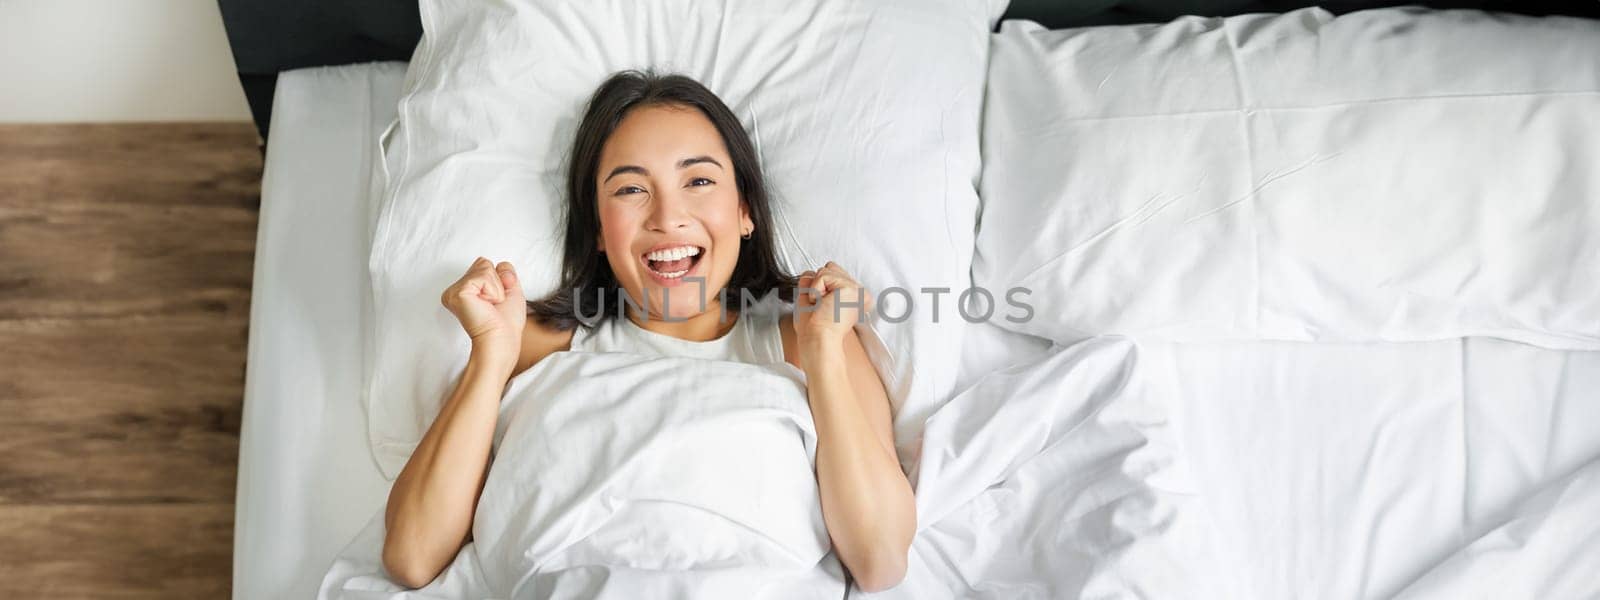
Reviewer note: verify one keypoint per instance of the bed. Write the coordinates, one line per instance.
(1254, 463)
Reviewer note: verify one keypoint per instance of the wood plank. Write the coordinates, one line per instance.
(129, 410)
(126, 258)
(79, 259)
(116, 552)
(134, 163)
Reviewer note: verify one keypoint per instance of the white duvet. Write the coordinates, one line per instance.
(626, 476)
(1090, 471)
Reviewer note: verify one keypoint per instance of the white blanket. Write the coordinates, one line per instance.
(1057, 478)
(624, 476)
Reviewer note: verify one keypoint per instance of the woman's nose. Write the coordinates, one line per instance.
(668, 212)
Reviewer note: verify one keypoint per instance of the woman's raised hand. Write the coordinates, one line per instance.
(487, 301)
(829, 303)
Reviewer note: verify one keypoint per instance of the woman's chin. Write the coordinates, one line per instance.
(678, 307)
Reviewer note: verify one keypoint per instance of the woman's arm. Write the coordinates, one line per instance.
(867, 501)
(431, 506)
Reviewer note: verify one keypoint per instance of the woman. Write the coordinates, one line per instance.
(666, 204)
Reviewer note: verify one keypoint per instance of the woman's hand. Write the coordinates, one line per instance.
(488, 303)
(828, 303)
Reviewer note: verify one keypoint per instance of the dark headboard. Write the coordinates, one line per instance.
(1056, 14)
(269, 36)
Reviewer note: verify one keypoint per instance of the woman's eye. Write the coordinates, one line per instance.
(631, 189)
(700, 181)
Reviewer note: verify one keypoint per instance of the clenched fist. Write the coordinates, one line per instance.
(829, 302)
(488, 303)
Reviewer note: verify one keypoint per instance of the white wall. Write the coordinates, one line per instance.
(116, 60)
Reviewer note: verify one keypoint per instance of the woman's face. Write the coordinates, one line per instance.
(670, 211)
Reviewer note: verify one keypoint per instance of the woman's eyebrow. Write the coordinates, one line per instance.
(684, 164)
(626, 169)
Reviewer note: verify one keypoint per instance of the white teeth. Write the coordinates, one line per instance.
(673, 253)
(672, 275)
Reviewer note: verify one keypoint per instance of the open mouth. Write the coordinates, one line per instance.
(673, 263)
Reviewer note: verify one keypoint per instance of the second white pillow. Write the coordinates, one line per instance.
(1395, 175)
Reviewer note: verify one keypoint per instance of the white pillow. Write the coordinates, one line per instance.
(1395, 174)
(865, 116)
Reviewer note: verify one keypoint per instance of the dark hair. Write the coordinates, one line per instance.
(588, 286)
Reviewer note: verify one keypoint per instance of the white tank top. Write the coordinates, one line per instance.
(755, 338)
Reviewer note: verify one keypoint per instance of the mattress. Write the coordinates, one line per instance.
(307, 480)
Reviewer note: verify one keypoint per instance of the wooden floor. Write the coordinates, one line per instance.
(125, 269)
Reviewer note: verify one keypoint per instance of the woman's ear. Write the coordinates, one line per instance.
(746, 225)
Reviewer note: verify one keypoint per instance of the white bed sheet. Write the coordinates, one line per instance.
(1335, 470)
(1352, 470)
(1345, 470)
(307, 480)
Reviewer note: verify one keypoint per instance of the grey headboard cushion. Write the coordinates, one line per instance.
(269, 36)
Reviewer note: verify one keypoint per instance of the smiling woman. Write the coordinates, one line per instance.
(667, 209)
